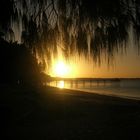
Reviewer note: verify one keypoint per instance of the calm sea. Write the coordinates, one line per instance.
(126, 88)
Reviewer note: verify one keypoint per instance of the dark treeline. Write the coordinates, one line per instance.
(17, 64)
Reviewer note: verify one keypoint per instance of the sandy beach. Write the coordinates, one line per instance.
(46, 113)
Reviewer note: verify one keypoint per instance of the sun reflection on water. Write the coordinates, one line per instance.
(61, 84)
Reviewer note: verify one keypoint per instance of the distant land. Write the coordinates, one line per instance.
(92, 79)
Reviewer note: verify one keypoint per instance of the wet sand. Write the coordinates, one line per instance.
(47, 113)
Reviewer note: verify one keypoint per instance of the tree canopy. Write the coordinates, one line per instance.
(90, 28)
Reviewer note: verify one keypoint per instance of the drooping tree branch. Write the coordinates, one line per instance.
(75, 26)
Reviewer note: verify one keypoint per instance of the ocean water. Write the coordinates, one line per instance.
(126, 88)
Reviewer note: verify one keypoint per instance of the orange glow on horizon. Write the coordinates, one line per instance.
(62, 69)
(125, 66)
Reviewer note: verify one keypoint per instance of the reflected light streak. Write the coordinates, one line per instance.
(61, 84)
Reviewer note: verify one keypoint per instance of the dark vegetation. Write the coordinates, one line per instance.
(17, 65)
(83, 27)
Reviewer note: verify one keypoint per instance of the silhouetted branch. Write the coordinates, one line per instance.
(103, 27)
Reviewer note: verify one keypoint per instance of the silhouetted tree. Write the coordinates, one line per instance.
(17, 64)
(76, 26)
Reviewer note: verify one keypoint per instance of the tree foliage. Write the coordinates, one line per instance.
(18, 65)
(76, 26)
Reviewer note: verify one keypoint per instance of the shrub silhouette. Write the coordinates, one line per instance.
(17, 64)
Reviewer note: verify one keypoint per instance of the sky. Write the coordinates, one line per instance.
(125, 66)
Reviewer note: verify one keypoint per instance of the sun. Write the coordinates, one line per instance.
(61, 69)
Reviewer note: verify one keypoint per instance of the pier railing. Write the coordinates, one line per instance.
(74, 82)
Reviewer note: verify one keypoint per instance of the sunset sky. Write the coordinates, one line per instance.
(125, 66)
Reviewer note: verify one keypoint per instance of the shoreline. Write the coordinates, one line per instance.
(125, 89)
(121, 96)
(97, 93)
